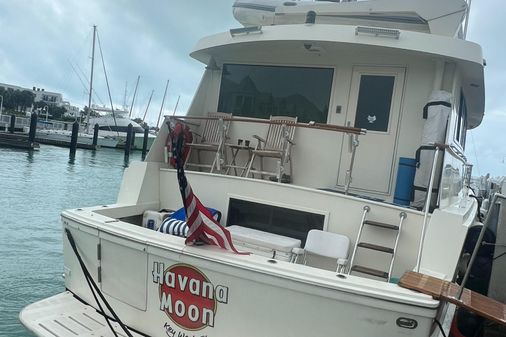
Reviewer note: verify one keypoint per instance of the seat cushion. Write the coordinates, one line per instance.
(176, 224)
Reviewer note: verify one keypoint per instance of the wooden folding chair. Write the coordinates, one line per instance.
(212, 139)
(277, 145)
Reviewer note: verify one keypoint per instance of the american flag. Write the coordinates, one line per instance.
(202, 226)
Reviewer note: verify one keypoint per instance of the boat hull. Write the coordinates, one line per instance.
(159, 286)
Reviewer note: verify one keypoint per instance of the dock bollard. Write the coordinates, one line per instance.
(13, 123)
(145, 143)
(33, 128)
(73, 139)
(128, 143)
(95, 136)
(133, 140)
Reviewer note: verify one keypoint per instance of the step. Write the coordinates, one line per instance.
(381, 224)
(370, 271)
(376, 247)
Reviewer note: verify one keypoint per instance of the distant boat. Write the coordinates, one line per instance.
(116, 126)
(51, 136)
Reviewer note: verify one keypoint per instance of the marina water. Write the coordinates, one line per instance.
(34, 188)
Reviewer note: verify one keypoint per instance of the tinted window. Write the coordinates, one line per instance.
(262, 91)
(278, 220)
(374, 102)
(462, 122)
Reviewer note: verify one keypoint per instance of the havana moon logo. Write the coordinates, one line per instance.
(187, 296)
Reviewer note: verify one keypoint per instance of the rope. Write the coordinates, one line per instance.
(93, 287)
(440, 327)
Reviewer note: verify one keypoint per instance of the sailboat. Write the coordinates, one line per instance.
(353, 107)
(84, 138)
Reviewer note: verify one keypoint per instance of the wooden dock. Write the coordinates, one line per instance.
(62, 143)
(17, 140)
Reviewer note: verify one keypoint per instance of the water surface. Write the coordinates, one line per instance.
(34, 188)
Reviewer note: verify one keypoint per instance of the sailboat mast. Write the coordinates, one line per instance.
(91, 79)
(149, 102)
(163, 102)
(125, 96)
(133, 98)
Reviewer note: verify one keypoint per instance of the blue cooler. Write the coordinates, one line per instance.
(405, 181)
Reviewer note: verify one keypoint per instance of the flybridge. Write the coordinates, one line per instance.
(430, 16)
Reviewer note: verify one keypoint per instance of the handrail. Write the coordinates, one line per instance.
(354, 132)
(310, 125)
(453, 151)
(458, 155)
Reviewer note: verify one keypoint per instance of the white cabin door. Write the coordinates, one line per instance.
(374, 104)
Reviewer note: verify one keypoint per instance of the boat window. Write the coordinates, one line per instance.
(462, 121)
(261, 91)
(273, 219)
(374, 102)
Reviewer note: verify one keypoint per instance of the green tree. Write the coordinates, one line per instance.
(54, 111)
(14, 99)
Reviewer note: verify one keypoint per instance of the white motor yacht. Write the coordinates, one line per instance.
(380, 95)
(116, 126)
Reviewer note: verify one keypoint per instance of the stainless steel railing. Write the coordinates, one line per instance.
(456, 153)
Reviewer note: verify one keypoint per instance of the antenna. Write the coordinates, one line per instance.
(467, 17)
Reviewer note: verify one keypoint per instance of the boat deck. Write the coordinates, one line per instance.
(65, 315)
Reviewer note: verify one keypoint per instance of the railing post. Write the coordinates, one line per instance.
(13, 124)
(220, 154)
(354, 143)
(145, 143)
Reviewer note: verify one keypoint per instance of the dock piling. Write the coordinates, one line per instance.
(73, 139)
(13, 123)
(128, 144)
(145, 143)
(95, 136)
(33, 128)
(133, 140)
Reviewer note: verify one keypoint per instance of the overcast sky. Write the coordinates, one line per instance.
(47, 44)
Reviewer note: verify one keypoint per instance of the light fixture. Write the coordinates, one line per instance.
(246, 30)
(383, 32)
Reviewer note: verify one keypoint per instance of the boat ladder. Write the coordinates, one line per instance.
(378, 248)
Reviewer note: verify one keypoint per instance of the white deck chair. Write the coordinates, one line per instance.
(277, 145)
(325, 244)
(214, 134)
